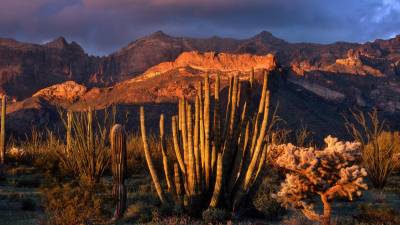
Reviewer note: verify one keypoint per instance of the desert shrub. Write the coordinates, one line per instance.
(40, 150)
(325, 173)
(378, 146)
(215, 216)
(72, 203)
(86, 154)
(135, 156)
(139, 212)
(263, 199)
(373, 214)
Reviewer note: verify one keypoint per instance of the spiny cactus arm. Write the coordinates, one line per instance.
(176, 145)
(239, 158)
(201, 127)
(251, 78)
(191, 166)
(258, 147)
(260, 168)
(218, 183)
(233, 111)
(207, 153)
(179, 115)
(164, 153)
(228, 106)
(184, 131)
(216, 125)
(3, 130)
(213, 160)
(196, 148)
(178, 184)
(149, 161)
(260, 111)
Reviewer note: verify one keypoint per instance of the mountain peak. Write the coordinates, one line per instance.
(59, 42)
(159, 34)
(266, 36)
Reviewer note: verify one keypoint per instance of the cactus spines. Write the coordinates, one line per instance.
(191, 167)
(164, 153)
(176, 145)
(119, 167)
(149, 161)
(218, 183)
(207, 156)
(196, 142)
(178, 185)
(225, 155)
(216, 124)
(3, 130)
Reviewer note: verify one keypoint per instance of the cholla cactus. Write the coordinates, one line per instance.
(325, 173)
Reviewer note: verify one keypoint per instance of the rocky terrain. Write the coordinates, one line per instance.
(316, 83)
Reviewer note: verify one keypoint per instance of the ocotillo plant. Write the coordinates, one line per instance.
(86, 154)
(119, 167)
(212, 159)
(3, 130)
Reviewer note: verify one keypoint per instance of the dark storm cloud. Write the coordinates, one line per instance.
(102, 26)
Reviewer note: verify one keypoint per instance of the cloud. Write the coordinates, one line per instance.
(102, 26)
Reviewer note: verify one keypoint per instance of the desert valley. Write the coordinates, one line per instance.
(172, 129)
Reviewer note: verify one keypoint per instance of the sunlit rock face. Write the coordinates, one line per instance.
(318, 82)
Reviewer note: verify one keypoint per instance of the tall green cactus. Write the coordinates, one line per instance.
(3, 130)
(214, 159)
(119, 168)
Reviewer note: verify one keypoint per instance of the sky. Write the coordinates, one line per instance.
(103, 26)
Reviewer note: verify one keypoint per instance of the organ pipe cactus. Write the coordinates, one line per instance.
(3, 130)
(212, 159)
(119, 167)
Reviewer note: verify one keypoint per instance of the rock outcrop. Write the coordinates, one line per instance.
(69, 91)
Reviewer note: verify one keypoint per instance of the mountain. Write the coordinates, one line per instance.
(317, 85)
(314, 100)
(25, 68)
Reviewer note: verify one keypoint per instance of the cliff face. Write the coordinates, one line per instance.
(318, 82)
(26, 68)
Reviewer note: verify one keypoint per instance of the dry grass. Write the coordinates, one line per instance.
(73, 204)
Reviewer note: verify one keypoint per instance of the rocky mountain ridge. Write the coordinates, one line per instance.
(318, 83)
(26, 68)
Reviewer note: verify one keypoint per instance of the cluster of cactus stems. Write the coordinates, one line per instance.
(218, 160)
(119, 167)
(3, 130)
